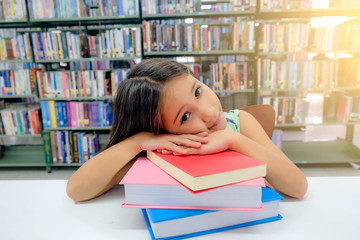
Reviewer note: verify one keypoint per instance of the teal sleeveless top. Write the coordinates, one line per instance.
(232, 119)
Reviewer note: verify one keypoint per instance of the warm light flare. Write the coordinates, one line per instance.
(329, 21)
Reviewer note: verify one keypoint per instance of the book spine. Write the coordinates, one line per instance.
(47, 147)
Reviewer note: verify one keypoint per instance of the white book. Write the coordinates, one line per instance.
(121, 43)
(189, 29)
(138, 41)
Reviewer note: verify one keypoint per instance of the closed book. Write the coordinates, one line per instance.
(179, 224)
(199, 172)
(147, 186)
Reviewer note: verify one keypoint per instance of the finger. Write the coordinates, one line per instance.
(164, 151)
(189, 140)
(203, 134)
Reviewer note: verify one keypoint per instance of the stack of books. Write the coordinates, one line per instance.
(187, 196)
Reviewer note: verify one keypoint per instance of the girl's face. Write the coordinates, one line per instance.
(189, 107)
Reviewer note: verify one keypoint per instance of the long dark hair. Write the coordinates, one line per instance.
(136, 105)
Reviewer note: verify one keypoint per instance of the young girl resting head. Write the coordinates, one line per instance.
(162, 106)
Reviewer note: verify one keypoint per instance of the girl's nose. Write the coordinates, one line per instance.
(207, 114)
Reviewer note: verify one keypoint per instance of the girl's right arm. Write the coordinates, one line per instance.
(107, 168)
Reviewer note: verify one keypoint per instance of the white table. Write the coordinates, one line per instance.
(41, 210)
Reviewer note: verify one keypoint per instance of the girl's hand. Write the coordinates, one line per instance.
(171, 143)
(218, 141)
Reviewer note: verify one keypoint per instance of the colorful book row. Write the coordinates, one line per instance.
(348, 109)
(168, 7)
(289, 74)
(15, 48)
(20, 121)
(18, 82)
(76, 114)
(79, 83)
(66, 147)
(81, 8)
(289, 110)
(348, 72)
(287, 4)
(177, 35)
(231, 76)
(12, 9)
(280, 37)
(277, 138)
(342, 37)
(124, 42)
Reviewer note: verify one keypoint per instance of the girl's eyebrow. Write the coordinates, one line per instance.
(192, 90)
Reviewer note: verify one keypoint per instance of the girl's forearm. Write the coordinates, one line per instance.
(283, 174)
(104, 170)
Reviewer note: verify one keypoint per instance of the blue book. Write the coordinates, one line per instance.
(44, 114)
(101, 114)
(80, 146)
(64, 114)
(59, 114)
(178, 224)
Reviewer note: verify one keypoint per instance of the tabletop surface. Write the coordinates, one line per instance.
(41, 210)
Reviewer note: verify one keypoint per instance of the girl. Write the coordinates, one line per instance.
(162, 106)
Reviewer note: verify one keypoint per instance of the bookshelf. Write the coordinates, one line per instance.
(285, 84)
(254, 44)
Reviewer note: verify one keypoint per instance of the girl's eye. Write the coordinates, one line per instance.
(185, 117)
(198, 92)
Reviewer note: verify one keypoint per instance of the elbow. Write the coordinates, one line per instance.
(72, 192)
(299, 189)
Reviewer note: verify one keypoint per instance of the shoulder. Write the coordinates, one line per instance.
(251, 127)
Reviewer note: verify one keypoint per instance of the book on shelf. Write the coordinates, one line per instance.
(198, 172)
(81, 8)
(230, 76)
(147, 186)
(110, 43)
(76, 114)
(15, 47)
(348, 108)
(20, 121)
(18, 82)
(66, 147)
(60, 84)
(13, 10)
(179, 224)
(197, 36)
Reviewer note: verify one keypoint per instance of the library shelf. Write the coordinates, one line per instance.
(20, 136)
(87, 20)
(16, 61)
(339, 151)
(212, 2)
(324, 123)
(23, 156)
(199, 53)
(77, 98)
(78, 128)
(85, 59)
(18, 96)
(229, 92)
(198, 15)
(307, 13)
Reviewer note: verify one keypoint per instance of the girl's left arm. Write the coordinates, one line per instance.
(282, 173)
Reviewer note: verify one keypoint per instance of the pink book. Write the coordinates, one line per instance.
(73, 114)
(146, 185)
